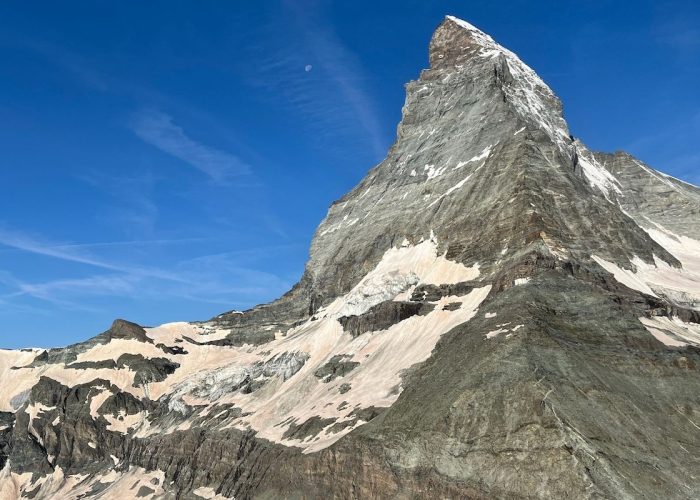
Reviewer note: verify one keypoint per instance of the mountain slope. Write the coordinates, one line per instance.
(494, 311)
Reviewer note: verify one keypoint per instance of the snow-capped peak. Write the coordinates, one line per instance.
(477, 33)
(532, 97)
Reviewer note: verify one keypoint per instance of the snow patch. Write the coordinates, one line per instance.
(125, 423)
(111, 484)
(97, 400)
(498, 331)
(481, 156)
(116, 347)
(22, 380)
(683, 283)
(625, 276)
(494, 333)
(597, 176)
(433, 172)
(376, 381)
(34, 410)
(343, 223)
(681, 286)
(399, 269)
(528, 92)
(451, 190)
(673, 332)
(208, 493)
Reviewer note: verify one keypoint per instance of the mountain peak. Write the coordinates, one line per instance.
(455, 40)
(458, 47)
(491, 285)
(476, 32)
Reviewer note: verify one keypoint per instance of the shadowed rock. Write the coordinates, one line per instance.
(308, 428)
(337, 366)
(382, 316)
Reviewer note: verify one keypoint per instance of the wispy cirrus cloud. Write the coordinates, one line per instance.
(345, 72)
(134, 209)
(223, 278)
(135, 243)
(68, 293)
(159, 130)
(314, 73)
(71, 62)
(74, 253)
(150, 125)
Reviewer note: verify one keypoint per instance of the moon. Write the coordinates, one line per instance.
(308, 68)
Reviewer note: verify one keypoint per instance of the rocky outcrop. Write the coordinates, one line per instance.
(338, 366)
(382, 316)
(120, 329)
(145, 369)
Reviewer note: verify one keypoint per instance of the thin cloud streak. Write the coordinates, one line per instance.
(23, 242)
(334, 95)
(131, 243)
(208, 279)
(66, 60)
(135, 210)
(217, 279)
(159, 130)
(340, 65)
(105, 284)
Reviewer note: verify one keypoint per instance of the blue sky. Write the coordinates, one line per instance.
(170, 160)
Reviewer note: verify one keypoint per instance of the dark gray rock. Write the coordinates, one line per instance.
(429, 293)
(146, 369)
(144, 491)
(120, 329)
(338, 366)
(382, 316)
(308, 428)
(7, 422)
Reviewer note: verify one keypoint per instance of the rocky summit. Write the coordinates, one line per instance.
(495, 311)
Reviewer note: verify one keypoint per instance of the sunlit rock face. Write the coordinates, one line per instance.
(494, 311)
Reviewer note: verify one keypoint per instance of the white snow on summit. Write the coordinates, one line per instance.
(529, 91)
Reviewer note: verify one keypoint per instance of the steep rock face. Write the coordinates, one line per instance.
(494, 311)
(652, 197)
(482, 139)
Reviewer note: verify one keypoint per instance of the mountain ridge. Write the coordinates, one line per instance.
(494, 311)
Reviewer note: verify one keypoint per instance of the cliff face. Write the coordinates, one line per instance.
(494, 311)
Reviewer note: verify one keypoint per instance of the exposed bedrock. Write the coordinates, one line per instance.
(338, 366)
(382, 316)
(564, 407)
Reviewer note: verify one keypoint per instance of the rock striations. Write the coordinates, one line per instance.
(493, 312)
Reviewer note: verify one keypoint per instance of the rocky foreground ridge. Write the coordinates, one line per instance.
(495, 311)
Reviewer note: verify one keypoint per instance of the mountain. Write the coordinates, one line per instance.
(495, 311)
